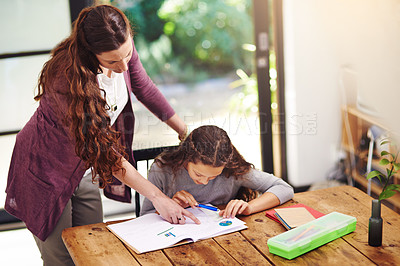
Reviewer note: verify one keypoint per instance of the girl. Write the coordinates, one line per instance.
(81, 133)
(207, 168)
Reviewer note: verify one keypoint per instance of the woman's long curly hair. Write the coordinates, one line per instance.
(98, 29)
(209, 145)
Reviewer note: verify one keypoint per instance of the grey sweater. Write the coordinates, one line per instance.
(219, 190)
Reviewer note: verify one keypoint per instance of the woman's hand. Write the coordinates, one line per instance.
(184, 199)
(166, 207)
(235, 207)
(171, 211)
(177, 124)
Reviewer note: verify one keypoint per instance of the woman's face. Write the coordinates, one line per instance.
(117, 60)
(201, 173)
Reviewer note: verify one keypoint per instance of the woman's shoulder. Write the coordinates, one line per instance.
(57, 91)
(59, 83)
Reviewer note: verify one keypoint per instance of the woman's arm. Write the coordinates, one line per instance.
(177, 124)
(147, 93)
(167, 208)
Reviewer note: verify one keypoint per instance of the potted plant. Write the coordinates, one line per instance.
(389, 161)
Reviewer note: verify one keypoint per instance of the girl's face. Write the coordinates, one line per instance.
(201, 173)
(117, 60)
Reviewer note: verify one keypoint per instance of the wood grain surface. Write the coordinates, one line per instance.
(95, 245)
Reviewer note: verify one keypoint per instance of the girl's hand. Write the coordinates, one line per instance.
(184, 199)
(171, 211)
(235, 207)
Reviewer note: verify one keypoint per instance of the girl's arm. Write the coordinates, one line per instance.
(167, 208)
(263, 202)
(275, 192)
(235, 207)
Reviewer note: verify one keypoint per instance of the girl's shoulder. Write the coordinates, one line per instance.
(254, 173)
(250, 172)
(165, 171)
(157, 167)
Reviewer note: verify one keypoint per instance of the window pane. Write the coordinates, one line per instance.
(18, 80)
(33, 25)
(200, 55)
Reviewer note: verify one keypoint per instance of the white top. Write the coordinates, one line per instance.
(117, 95)
(116, 91)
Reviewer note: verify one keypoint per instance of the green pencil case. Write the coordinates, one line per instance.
(311, 235)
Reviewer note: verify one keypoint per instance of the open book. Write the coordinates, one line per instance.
(151, 232)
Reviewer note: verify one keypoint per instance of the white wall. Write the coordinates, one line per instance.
(335, 50)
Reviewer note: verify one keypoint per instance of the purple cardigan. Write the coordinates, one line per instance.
(45, 169)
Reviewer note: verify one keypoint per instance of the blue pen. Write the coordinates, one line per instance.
(207, 207)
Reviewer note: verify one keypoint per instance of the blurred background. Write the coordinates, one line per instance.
(275, 74)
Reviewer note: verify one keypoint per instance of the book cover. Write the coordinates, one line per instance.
(282, 221)
(151, 232)
(293, 217)
(271, 213)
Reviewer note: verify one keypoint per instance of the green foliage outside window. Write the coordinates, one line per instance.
(246, 100)
(191, 40)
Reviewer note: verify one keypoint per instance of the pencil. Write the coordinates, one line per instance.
(303, 233)
(207, 207)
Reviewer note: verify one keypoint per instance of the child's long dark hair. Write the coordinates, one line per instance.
(209, 145)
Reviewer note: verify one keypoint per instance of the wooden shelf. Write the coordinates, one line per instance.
(352, 110)
(375, 164)
(355, 125)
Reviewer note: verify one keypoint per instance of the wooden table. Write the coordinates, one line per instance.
(95, 245)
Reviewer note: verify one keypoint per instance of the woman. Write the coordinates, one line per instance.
(82, 133)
